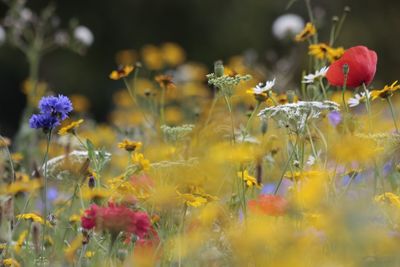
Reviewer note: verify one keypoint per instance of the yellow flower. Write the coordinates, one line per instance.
(74, 246)
(165, 81)
(172, 54)
(308, 31)
(129, 145)
(70, 128)
(138, 159)
(95, 193)
(121, 72)
(11, 262)
(30, 216)
(126, 57)
(23, 184)
(89, 254)
(20, 242)
(297, 175)
(74, 218)
(386, 92)
(192, 200)
(17, 157)
(389, 198)
(152, 57)
(248, 179)
(324, 51)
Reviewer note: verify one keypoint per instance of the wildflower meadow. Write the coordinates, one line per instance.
(230, 164)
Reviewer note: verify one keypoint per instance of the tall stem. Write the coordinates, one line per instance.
(44, 197)
(389, 100)
(228, 104)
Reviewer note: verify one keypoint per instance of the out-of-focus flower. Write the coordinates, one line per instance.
(173, 54)
(121, 72)
(20, 242)
(129, 145)
(10, 262)
(192, 200)
(30, 216)
(388, 198)
(84, 35)
(142, 163)
(306, 33)
(69, 252)
(361, 63)
(271, 205)
(96, 193)
(358, 98)
(152, 57)
(116, 218)
(334, 117)
(287, 26)
(5, 142)
(386, 92)
(2, 35)
(126, 57)
(165, 82)
(324, 51)
(248, 179)
(310, 78)
(23, 185)
(70, 128)
(80, 103)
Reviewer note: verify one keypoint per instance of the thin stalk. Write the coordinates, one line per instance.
(214, 102)
(162, 106)
(323, 89)
(182, 230)
(251, 118)
(389, 100)
(343, 92)
(44, 198)
(228, 104)
(284, 170)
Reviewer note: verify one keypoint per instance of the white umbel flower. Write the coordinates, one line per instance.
(358, 98)
(84, 35)
(287, 25)
(310, 78)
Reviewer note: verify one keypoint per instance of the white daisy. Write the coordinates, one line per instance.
(358, 98)
(318, 74)
(260, 89)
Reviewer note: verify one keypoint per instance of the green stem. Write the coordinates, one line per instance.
(389, 100)
(343, 92)
(284, 170)
(44, 197)
(214, 102)
(251, 118)
(162, 106)
(228, 104)
(368, 107)
(323, 89)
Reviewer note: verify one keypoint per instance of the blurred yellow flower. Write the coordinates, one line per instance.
(126, 57)
(153, 57)
(308, 31)
(324, 51)
(11, 262)
(165, 82)
(173, 54)
(30, 216)
(248, 179)
(121, 72)
(386, 92)
(69, 252)
(20, 242)
(96, 193)
(70, 128)
(129, 145)
(80, 103)
(140, 161)
(389, 198)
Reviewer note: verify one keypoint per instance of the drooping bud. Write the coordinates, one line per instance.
(218, 68)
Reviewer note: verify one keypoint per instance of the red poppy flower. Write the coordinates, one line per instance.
(269, 204)
(362, 67)
(116, 218)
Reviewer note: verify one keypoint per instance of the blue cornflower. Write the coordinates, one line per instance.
(58, 106)
(53, 110)
(43, 121)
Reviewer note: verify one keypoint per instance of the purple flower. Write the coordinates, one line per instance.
(58, 106)
(334, 117)
(43, 121)
(53, 110)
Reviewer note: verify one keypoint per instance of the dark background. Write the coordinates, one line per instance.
(206, 29)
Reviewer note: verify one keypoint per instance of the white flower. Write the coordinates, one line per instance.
(318, 74)
(84, 35)
(26, 14)
(2, 35)
(287, 25)
(260, 89)
(358, 98)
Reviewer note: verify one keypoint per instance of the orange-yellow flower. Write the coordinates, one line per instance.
(121, 72)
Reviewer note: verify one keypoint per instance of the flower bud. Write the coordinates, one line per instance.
(218, 68)
(91, 181)
(346, 69)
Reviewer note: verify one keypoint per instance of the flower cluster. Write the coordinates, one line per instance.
(53, 110)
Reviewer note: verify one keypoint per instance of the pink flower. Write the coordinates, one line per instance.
(116, 218)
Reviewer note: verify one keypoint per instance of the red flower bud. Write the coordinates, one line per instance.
(361, 64)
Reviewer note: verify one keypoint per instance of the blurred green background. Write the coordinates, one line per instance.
(206, 29)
